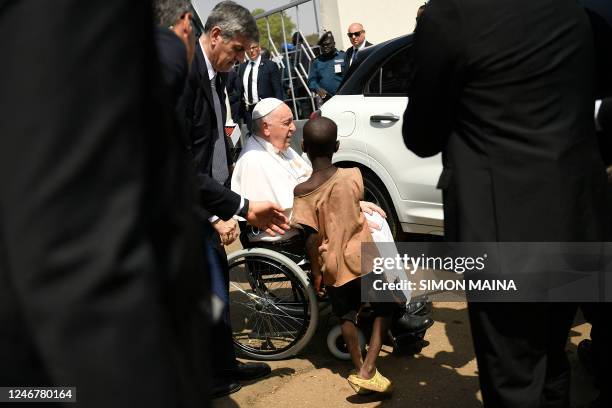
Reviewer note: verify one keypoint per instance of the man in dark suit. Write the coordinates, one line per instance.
(97, 286)
(356, 35)
(175, 51)
(594, 353)
(258, 78)
(175, 43)
(176, 46)
(513, 117)
(600, 16)
(218, 49)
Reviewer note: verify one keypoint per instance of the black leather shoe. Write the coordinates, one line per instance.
(250, 371)
(225, 388)
(414, 323)
(419, 306)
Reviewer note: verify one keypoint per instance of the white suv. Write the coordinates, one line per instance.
(368, 109)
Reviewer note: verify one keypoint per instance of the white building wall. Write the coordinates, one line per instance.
(382, 19)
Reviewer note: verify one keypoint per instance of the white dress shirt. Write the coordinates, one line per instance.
(209, 68)
(355, 50)
(253, 85)
(597, 107)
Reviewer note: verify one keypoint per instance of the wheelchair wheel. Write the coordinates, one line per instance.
(337, 346)
(273, 307)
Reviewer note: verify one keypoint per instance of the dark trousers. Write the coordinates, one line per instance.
(598, 314)
(222, 355)
(520, 349)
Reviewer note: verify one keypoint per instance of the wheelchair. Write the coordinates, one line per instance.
(274, 310)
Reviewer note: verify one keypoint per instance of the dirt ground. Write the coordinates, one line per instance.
(443, 375)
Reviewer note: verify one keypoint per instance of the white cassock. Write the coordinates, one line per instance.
(265, 173)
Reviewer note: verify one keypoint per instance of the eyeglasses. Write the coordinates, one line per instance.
(355, 34)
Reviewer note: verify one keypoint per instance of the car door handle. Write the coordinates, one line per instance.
(381, 118)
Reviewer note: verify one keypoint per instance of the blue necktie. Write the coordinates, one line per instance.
(353, 56)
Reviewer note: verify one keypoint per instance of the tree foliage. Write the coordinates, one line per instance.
(276, 29)
(312, 39)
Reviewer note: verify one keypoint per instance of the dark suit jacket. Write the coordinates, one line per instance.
(173, 58)
(201, 128)
(233, 94)
(93, 214)
(512, 116)
(268, 81)
(349, 54)
(602, 37)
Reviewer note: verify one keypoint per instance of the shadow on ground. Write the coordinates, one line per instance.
(429, 379)
(443, 375)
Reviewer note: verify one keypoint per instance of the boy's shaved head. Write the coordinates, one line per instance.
(320, 137)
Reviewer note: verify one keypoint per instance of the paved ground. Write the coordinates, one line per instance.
(444, 375)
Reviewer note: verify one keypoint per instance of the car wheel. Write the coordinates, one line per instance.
(375, 192)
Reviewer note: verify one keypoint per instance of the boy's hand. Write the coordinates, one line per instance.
(318, 285)
(312, 250)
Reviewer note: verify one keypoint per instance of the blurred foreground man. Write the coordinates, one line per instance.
(513, 117)
(98, 290)
(175, 42)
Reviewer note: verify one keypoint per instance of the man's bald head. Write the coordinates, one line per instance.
(355, 27)
(320, 137)
(356, 34)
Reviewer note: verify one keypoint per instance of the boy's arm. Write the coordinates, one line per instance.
(303, 216)
(312, 251)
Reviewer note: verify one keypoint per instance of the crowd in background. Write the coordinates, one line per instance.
(322, 74)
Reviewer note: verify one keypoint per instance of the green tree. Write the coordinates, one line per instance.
(276, 29)
(312, 39)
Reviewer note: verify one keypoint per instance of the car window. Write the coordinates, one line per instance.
(393, 77)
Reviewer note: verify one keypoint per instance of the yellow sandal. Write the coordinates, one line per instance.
(357, 388)
(377, 383)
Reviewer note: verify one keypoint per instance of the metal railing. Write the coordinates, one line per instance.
(290, 62)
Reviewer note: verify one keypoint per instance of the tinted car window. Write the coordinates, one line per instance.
(393, 77)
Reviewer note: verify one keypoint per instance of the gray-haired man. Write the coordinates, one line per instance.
(228, 31)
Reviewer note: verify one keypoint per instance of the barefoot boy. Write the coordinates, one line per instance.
(327, 206)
